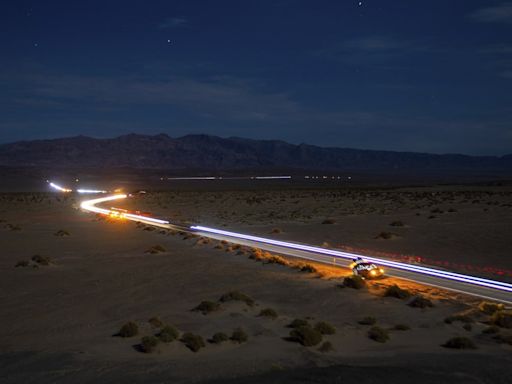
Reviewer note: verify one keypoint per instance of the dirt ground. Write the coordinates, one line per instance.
(59, 321)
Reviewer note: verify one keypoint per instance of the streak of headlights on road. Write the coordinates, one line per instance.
(408, 267)
(90, 205)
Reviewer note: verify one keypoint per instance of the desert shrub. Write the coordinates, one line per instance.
(451, 210)
(492, 329)
(325, 328)
(239, 336)
(237, 296)
(502, 319)
(41, 260)
(168, 333)
(276, 230)
(308, 268)
(22, 263)
(155, 249)
(420, 302)
(149, 228)
(148, 344)
(219, 338)
(274, 259)
(62, 232)
(385, 235)
(206, 307)
(329, 221)
(298, 323)
(397, 292)
(368, 320)
(218, 246)
(490, 308)
(356, 282)
(128, 329)
(459, 342)
(462, 317)
(432, 217)
(326, 347)
(192, 341)
(468, 327)
(378, 334)
(401, 327)
(306, 336)
(13, 227)
(397, 223)
(268, 312)
(156, 322)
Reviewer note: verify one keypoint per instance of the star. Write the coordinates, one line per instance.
(169, 41)
(36, 44)
(360, 3)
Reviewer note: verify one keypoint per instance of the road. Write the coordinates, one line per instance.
(466, 284)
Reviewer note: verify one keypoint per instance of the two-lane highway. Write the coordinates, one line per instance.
(467, 284)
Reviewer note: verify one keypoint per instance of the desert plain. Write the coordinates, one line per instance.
(70, 280)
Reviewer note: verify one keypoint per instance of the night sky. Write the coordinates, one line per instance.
(433, 76)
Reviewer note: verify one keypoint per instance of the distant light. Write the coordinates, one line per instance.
(90, 191)
(59, 188)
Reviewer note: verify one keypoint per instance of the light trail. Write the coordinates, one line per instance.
(459, 282)
(95, 191)
(59, 188)
(409, 267)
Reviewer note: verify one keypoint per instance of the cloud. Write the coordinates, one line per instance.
(218, 97)
(173, 22)
(501, 13)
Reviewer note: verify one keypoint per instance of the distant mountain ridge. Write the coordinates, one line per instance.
(216, 153)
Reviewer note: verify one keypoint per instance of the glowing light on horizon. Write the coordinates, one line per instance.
(59, 188)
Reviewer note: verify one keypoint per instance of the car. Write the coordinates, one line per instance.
(366, 269)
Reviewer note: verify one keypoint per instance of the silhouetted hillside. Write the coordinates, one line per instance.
(215, 153)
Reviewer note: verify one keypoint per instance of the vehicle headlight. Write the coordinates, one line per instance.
(381, 270)
(373, 272)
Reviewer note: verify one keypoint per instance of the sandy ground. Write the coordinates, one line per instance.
(58, 321)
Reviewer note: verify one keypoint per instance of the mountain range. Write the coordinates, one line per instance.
(216, 153)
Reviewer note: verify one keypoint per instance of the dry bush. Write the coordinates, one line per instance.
(329, 221)
(468, 327)
(62, 232)
(148, 344)
(368, 320)
(239, 336)
(155, 322)
(128, 329)
(325, 328)
(155, 249)
(13, 227)
(306, 336)
(168, 333)
(490, 308)
(459, 343)
(385, 235)
(378, 334)
(502, 319)
(276, 230)
(22, 263)
(192, 341)
(307, 268)
(41, 260)
(396, 223)
(237, 296)
(206, 307)
(218, 338)
(397, 292)
(268, 312)
(326, 347)
(275, 259)
(420, 301)
(356, 282)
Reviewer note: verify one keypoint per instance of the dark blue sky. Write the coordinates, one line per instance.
(432, 76)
